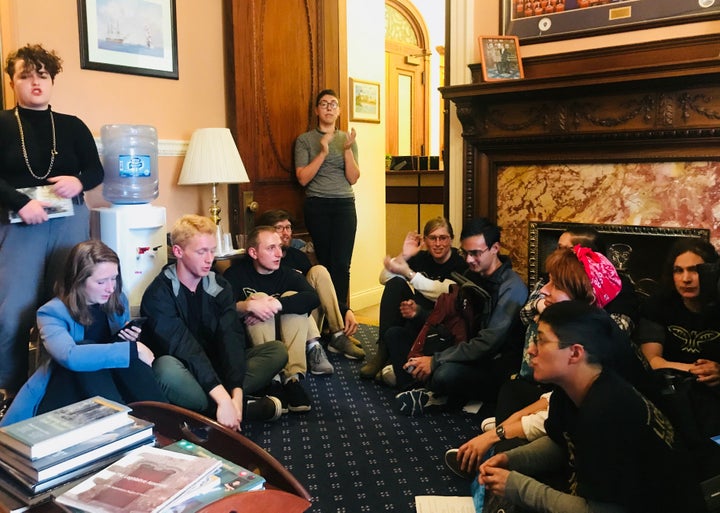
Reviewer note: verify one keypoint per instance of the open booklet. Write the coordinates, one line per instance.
(57, 206)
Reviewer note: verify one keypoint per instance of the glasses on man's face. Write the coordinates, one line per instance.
(475, 253)
(328, 105)
(438, 238)
(283, 228)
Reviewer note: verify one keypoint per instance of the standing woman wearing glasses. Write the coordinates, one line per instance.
(413, 281)
(326, 165)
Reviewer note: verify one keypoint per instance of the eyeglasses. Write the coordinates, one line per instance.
(438, 238)
(283, 228)
(475, 253)
(328, 105)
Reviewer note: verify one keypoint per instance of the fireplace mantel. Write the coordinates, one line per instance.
(651, 102)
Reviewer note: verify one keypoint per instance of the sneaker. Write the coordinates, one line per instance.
(488, 424)
(451, 461)
(276, 389)
(414, 403)
(318, 361)
(342, 344)
(388, 376)
(297, 398)
(266, 408)
(355, 341)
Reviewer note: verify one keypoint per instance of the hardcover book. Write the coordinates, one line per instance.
(56, 206)
(42, 469)
(147, 480)
(233, 479)
(59, 429)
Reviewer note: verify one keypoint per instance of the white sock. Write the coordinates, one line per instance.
(337, 334)
(311, 344)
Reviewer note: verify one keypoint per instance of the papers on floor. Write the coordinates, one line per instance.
(444, 504)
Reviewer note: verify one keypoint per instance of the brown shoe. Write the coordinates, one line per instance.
(376, 363)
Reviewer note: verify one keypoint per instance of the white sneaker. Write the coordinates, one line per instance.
(318, 361)
(488, 424)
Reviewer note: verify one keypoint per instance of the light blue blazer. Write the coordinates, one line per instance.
(64, 340)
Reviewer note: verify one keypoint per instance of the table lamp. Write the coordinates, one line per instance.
(212, 158)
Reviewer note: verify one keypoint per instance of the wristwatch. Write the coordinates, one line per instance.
(500, 432)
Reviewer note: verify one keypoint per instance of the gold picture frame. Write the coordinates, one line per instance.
(365, 101)
(500, 56)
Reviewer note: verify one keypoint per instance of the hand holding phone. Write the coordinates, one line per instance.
(132, 323)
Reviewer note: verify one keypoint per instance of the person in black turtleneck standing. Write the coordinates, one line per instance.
(38, 147)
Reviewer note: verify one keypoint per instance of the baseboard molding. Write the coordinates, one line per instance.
(366, 298)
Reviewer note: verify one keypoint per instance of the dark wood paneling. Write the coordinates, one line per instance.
(275, 52)
(654, 102)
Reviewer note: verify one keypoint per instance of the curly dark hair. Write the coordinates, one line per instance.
(34, 58)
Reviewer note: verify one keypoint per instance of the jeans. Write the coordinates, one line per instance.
(332, 224)
(182, 389)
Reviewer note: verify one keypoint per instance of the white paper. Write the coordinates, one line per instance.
(444, 504)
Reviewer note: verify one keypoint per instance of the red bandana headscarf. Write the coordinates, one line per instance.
(604, 278)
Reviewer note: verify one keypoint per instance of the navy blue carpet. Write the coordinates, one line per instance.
(354, 453)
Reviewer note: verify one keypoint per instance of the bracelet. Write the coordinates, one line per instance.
(410, 275)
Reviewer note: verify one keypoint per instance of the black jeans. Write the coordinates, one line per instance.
(332, 223)
(122, 385)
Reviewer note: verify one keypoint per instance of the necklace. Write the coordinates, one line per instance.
(53, 151)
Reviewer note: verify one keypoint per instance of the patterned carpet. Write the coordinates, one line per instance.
(354, 453)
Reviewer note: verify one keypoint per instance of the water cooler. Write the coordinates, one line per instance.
(133, 227)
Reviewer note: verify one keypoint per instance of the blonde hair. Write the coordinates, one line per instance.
(188, 226)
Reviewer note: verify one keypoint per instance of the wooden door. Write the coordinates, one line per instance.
(407, 65)
(281, 53)
(405, 104)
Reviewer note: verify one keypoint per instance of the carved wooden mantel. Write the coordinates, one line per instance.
(657, 101)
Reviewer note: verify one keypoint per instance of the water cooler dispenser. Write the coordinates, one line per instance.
(133, 227)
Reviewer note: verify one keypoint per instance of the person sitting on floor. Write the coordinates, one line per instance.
(473, 369)
(203, 361)
(679, 333)
(578, 274)
(264, 291)
(413, 280)
(341, 326)
(618, 448)
(82, 331)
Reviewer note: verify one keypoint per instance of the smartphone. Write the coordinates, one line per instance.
(134, 323)
(137, 322)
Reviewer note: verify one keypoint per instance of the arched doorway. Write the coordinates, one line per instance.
(414, 70)
(407, 59)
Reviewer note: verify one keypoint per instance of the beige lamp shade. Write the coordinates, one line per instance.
(212, 157)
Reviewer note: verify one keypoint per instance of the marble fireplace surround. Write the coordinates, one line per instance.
(624, 136)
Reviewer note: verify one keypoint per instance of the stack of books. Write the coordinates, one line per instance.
(181, 477)
(45, 455)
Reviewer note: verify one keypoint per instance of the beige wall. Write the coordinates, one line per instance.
(174, 107)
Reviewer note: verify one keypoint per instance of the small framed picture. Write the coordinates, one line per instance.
(365, 101)
(500, 58)
(137, 37)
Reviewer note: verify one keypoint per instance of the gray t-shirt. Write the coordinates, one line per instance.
(330, 181)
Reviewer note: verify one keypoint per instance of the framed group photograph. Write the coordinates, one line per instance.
(138, 37)
(500, 56)
(536, 21)
(365, 104)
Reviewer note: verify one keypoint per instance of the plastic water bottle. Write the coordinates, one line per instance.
(130, 160)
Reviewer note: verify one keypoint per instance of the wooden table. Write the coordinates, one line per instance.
(283, 493)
